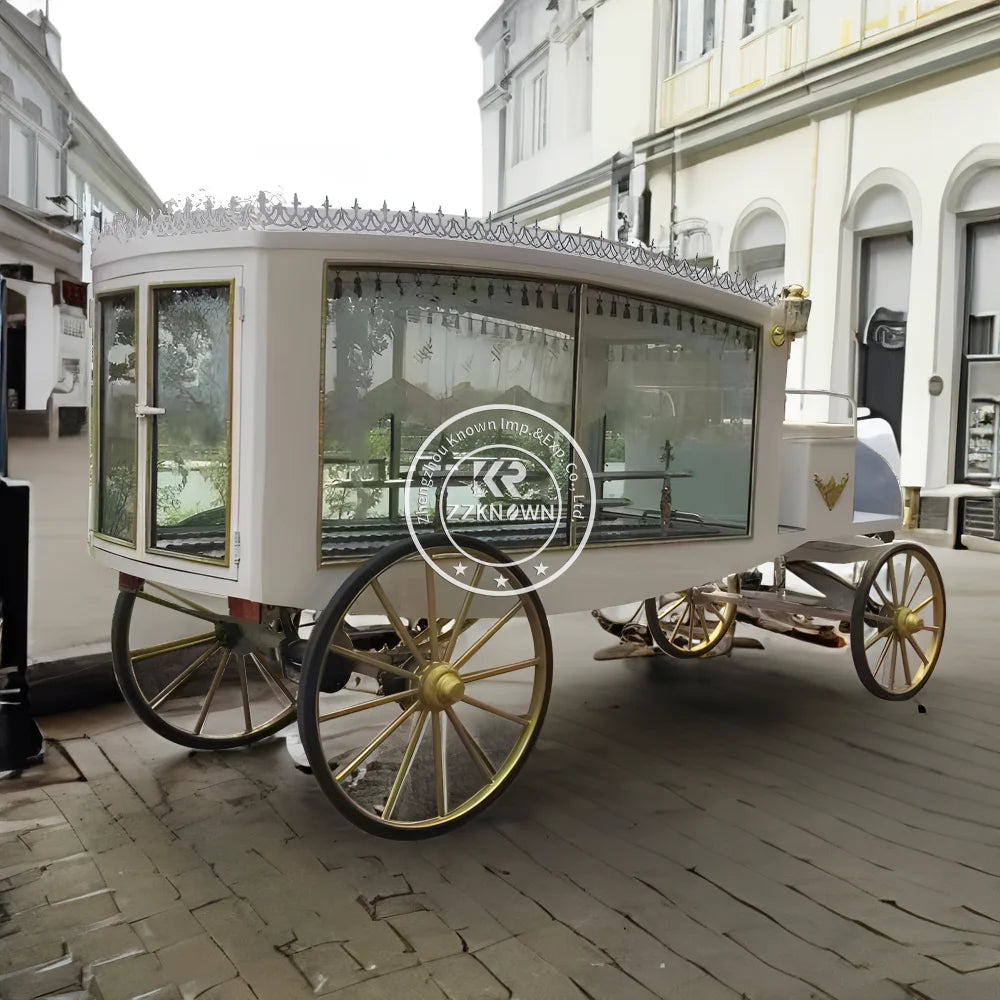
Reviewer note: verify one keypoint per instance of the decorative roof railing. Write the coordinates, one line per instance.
(263, 213)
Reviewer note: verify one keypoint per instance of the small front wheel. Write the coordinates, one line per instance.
(413, 738)
(196, 675)
(897, 622)
(691, 623)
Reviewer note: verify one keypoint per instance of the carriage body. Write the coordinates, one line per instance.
(230, 488)
(268, 381)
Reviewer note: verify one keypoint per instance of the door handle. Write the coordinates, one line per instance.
(149, 411)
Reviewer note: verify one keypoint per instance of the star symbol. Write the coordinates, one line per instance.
(502, 581)
(460, 569)
(541, 569)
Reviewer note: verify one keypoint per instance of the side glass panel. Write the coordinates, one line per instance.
(190, 442)
(117, 442)
(402, 353)
(667, 402)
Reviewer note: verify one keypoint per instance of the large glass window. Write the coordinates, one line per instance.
(117, 448)
(694, 30)
(405, 351)
(667, 402)
(190, 467)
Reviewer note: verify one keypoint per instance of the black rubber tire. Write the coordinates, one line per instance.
(312, 676)
(132, 693)
(862, 604)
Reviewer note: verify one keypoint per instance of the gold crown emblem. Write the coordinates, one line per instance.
(830, 490)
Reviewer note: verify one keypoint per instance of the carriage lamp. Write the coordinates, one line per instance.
(796, 308)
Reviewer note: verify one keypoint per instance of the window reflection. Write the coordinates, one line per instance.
(117, 442)
(191, 449)
(667, 411)
(405, 351)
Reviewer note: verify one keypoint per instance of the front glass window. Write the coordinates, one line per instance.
(190, 467)
(405, 351)
(117, 450)
(667, 403)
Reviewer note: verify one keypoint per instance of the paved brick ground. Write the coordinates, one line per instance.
(755, 827)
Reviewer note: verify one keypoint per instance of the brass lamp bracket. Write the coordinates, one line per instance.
(795, 308)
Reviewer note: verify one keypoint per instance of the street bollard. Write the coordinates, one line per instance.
(20, 739)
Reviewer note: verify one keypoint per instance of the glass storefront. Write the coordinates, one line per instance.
(979, 446)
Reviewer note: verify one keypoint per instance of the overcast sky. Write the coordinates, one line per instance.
(367, 99)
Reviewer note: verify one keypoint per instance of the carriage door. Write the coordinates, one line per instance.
(884, 299)
(189, 416)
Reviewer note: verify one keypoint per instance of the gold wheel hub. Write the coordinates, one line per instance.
(907, 623)
(441, 686)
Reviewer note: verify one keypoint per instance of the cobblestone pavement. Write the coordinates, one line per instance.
(755, 827)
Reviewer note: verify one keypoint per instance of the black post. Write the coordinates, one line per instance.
(20, 740)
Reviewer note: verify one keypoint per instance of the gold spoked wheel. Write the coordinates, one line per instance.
(690, 623)
(897, 623)
(415, 737)
(196, 675)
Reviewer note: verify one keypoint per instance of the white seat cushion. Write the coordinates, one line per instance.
(794, 430)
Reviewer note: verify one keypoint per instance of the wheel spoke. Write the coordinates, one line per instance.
(704, 625)
(691, 614)
(405, 765)
(274, 680)
(892, 666)
(372, 661)
(179, 681)
(476, 703)
(368, 750)
(241, 666)
(486, 636)
(923, 604)
(678, 623)
(919, 651)
(481, 675)
(906, 665)
(364, 706)
(891, 573)
(147, 652)
(909, 597)
(397, 623)
(673, 607)
(906, 578)
(881, 659)
(879, 635)
(476, 752)
(881, 593)
(440, 772)
(462, 615)
(432, 623)
(216, 681)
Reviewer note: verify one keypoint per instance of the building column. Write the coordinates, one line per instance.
(827, 362)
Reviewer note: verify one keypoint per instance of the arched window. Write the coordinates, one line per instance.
(758, 249)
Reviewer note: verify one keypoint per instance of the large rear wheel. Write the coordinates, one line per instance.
(414, 738)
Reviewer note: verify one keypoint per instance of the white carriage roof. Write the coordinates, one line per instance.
(264, 213)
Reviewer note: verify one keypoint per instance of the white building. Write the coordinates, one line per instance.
(851, 146)
(60, 175)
